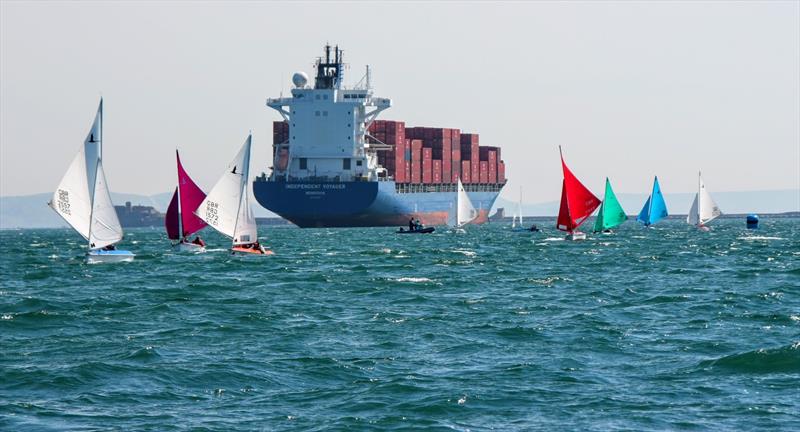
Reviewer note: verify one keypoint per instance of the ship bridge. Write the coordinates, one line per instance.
(324, 130)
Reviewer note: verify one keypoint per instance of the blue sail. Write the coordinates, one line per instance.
(654, 208)
(658, 208)
(644, 215)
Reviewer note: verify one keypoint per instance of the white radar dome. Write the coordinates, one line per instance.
(299, 79)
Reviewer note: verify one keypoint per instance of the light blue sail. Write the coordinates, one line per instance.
(654, 208)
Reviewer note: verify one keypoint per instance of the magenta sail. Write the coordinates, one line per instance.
(190, 198)
(171, 221)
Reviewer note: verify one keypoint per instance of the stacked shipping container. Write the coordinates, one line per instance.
(424, 155)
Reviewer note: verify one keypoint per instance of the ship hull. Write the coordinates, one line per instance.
(362, 204)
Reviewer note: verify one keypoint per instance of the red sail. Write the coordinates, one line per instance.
(171, 221)
(577, 202)
(191, 197)
(564, 222)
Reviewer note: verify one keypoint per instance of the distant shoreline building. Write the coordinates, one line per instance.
(132, 216)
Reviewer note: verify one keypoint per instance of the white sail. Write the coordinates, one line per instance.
(707, 208)
(692, 218)
(221, 207)
(246, 231)
(465, 211)
(72, 199)
(105, 227)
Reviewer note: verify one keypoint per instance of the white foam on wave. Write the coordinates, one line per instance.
(760, 238)
(554, 239)
(413, 279)
(468, 253)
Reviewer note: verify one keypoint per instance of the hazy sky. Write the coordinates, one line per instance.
(628, 89)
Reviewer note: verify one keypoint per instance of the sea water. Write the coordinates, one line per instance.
(362, 329)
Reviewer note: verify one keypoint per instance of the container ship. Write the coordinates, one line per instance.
(336, 165)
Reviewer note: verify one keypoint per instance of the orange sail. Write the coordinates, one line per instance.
(577, 202)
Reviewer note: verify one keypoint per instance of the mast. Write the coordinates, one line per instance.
(650, 208)
(243, 188)
(96, 164)
(699, 205)
(178, 191)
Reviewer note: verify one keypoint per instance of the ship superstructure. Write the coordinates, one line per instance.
(335, 164)
(328, 125)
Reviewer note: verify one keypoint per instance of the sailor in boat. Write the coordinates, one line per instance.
(418, 225)
(534, 228)
(255, 247)
(110, 247)
(411, 224)
(198, 241)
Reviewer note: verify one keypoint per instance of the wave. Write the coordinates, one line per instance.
(785, 359)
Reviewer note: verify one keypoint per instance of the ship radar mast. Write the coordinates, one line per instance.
(330, 71)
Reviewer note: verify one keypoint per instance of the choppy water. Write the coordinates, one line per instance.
(666, 328)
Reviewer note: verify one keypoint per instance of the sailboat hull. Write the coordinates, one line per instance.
(112, 256)
(246, 251)
(189, 247)
(576, 236)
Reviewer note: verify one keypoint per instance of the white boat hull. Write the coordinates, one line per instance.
(576, 236)
(113, 256)
(189, 247)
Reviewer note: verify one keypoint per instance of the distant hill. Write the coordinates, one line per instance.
(31, 211)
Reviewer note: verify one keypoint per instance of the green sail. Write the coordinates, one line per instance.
(611, 213)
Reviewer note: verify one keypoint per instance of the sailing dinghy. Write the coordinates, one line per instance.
(518, 226)
(464, 210)
(84, 201)
(227, 208)
(654, 208)
(180, 221)
(577, 204)
(704, 209)
(611, 214)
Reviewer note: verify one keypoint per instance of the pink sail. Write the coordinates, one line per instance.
(191, 197)
(171, 221)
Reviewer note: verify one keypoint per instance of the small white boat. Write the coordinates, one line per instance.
(187, 246)
(519, 226)
(704, 209)
(84, 201)
(576, 235)
(227, 208)
(108, 256)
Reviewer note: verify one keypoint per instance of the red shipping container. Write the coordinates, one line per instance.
(416, 161)
(501, 172)
(437, 171)
(455, 135)
(475, 167)
(484, 172)
(400, 164)
(492, 177)
(408, 171)
(456, 174)
(466, 172)
(427, 153)
(427, 171)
